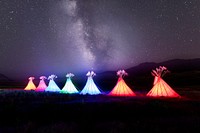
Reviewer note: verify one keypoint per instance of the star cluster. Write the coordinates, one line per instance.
(46, 36)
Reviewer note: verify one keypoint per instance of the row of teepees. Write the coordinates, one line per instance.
(160, 87)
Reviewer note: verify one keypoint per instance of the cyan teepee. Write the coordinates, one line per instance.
(52, 86)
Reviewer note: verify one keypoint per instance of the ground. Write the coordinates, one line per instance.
(42, 112)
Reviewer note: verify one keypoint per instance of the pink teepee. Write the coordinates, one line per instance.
(121, 88)
(42, 85)
(161, 88)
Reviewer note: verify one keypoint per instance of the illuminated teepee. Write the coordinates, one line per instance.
(30, 85)
(53, 87)
(42, 85)
(90, 87)
(69, 86)
(161, 88)
(121, 88)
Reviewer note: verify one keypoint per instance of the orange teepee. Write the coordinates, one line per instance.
(121, 88)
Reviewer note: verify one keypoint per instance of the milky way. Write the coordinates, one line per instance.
(43, 37)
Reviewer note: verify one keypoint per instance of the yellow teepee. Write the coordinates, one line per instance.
(30, 85)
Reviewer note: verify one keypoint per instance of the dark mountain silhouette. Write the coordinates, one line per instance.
(184, 72)
(143, 69)
(4, 78)
(6, 82)
(176, 65)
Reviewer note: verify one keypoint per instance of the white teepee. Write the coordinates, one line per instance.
(69, 86)
(42, 85)
(90, 87)
(30, 85)
(161, 88)
(121, 88)
(52, 87)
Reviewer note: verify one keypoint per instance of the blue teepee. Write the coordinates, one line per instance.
(90, 87)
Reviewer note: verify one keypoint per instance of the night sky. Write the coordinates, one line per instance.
(43, 37)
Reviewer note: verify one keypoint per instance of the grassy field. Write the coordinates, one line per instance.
(42, 112)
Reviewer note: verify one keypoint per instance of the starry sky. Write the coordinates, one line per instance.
(43, 37)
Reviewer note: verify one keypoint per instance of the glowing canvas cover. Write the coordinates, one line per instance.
(121, 88)
(69, 86)
(42, 85)
(161, 88)
(90, 87)
(52, 86)
(30, 85)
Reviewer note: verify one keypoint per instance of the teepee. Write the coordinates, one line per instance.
(160, 87)
(52, 86)
(90, 87)
(121, 88)
(30, 85)
(42, 85)
(69, 86)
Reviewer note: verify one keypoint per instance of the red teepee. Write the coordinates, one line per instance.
(121, 88)
(161, 88)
